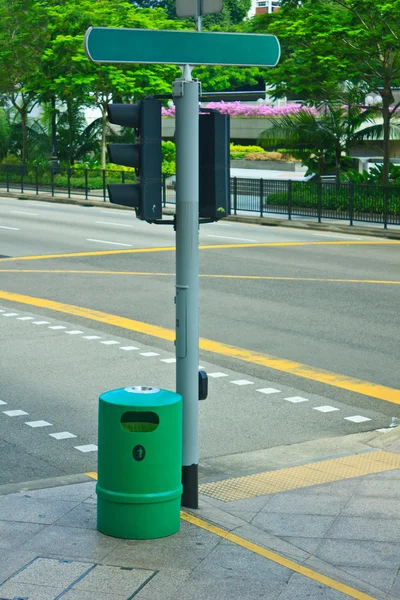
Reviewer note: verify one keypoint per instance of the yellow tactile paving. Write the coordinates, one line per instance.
(324, 471)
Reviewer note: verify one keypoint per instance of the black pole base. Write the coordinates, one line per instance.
(190, 495)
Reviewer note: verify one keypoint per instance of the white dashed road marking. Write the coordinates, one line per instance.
(148, 354)
(269, 391)
(12, 228)
(117, 224)
(168, 360)
(58, 327)
(62, 435)
(128, 348)
(2, 402)
(325, 409)
(357, 419)
(40, 322)
(216, 375)
(224, 237)
(105, 242)
(74, 332)
(38, 424)
(15, 413)
(25, 318)
(20, 212)
(296, 399)
(87, 448)
(109, 342)
(10, 315)
(242, 382)
(91, 337)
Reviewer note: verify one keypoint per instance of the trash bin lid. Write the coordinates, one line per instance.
(137, 396)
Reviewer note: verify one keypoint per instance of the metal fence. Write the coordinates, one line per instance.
(284, 199)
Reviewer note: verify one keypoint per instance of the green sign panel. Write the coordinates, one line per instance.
(111, 45)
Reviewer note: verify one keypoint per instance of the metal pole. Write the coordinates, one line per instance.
(186, 99)
(198, 16)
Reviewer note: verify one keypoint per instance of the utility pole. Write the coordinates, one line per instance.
(186, 98)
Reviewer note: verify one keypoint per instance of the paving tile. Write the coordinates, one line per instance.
(13, 535)
(300, 587)
(51, 572)
(359, 528)
(382, 579)
(377, 487)
(222, 589)
(228, 560)
(184, 550)
(76, 492)
(304, 543)
(114, 580)
(271, 542)
(21, 507)
(297, 525)
(71, 542)
(28, 591)
(395, 590)
(306, 504)
(164, 585)
(384, 508)
(12, 561)
(75, 594)
(347, 488)
(350, 553)
(84, 515)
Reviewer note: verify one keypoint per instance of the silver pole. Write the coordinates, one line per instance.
(198, 16)
(186, 98)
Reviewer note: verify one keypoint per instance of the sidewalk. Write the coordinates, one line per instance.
(250, 539)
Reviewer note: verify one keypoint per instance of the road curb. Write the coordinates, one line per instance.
(40, 484)
(263, 221)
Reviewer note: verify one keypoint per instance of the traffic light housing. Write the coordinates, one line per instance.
(145, 156)
(214, 192)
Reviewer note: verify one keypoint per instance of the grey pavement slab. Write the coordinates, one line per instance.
(364, 528)
(84, 515)
(20, 507)
(72, 542)
(305, 504)
(303, 525)
(374, 507)
(380, 578)
(352, 553)
(299, 588)
(51, 572)
(12, 591)
(14, 534)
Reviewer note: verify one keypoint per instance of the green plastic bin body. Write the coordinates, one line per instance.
(139, 463)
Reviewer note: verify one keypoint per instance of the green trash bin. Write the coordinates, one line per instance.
(139, 463)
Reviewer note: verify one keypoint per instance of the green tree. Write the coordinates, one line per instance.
(326, 131)
(326, 42)
(23, 35)
(234, 11)
(76, 80)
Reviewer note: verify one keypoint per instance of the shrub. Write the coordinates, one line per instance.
(237, 151)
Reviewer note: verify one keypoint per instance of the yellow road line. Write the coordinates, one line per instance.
(205, 275)
(276, 558)
(293, 478)
(269, 555)
(203, 247)
(345, 382)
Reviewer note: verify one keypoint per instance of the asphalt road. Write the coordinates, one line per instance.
(326, 304)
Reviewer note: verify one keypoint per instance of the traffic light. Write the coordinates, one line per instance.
(214, 192)
(145, 156)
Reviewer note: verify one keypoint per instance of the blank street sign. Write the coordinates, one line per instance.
(111, 45)
(188, 8)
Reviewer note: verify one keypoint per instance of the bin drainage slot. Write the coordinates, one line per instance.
(140, 422)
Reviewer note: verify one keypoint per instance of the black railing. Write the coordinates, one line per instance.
(282, 198)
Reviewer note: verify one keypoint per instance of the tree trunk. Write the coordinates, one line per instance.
(70, 149)
(103, 135)
(387, 99)
(24, 125)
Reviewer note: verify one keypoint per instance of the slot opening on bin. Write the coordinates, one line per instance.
(140, 421)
